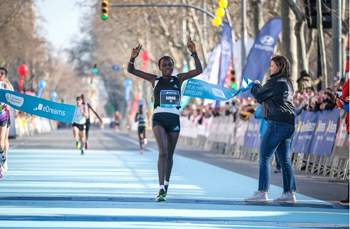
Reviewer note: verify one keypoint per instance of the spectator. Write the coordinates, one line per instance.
(305, 81)
(227, 109)
(328, 89)
(345, 95)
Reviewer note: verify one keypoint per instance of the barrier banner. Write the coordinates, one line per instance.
(308, 130)
(325, 133)
(252, 138)
(205, 90)
(298, 135)
(39, 107)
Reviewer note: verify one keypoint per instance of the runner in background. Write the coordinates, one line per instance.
(79, 124)
(4, 118)
(141, 118)
(117, 119)
(88, 123)
(7, 143)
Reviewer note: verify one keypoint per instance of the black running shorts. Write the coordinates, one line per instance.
(81, 127)
(170, 122)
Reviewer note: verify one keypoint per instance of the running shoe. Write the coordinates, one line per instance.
(145, 141)
(82, 152)
(161, 195)
(258, 196)
(166, 189)
(2, 158)
(287, 197)
(141, 151)
(86, 145)
(344, 202)
(0, 171)
(5, 167)
(77, 144)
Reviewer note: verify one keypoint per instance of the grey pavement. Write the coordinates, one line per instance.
(50, 185)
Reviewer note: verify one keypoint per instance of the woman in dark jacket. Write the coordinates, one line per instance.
(276, 99)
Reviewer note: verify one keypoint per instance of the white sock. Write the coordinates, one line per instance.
(162, 187)
(166, 182)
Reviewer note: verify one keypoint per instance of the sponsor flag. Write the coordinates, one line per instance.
(39, 107)
(260, 55)
(225, 56)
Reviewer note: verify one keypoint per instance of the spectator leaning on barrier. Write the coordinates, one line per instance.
(305, 81)
(345, 96)
(276, 98)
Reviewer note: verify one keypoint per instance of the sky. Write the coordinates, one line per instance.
(62, 21)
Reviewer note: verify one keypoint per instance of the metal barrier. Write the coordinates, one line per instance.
(26, 126)
(224, 136)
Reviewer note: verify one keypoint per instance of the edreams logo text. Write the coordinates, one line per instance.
(14, 100)
(50, 110)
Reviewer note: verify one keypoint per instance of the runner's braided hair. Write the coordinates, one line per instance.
(165, 57)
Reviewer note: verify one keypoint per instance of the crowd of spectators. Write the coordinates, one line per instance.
(306, 97)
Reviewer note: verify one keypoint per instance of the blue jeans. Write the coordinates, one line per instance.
(277, 137)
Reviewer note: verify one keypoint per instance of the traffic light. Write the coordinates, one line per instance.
(104, 10)
(92, 83)
(94, 67)
(233, 84)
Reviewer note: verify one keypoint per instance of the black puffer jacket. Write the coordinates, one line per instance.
(276, 99)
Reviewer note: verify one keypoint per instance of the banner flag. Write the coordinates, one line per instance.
(204, 90)
(326, 130)
(260, 55)
(39, 107)
(225, 55)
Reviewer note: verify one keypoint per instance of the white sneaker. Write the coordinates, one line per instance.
(145, 141)
(259, 196)
(286, 198)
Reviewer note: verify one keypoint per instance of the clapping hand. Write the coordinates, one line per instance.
(135, 51)
(191, 46)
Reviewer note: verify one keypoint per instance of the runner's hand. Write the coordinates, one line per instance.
(191, 46)
(135, 51)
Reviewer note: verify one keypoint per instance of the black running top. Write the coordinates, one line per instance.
(164, 84)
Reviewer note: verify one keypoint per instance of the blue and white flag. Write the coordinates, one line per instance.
(260, 55)
(204, 90)
(39, 107)
(225, 56)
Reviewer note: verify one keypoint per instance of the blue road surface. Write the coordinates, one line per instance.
(59, 188)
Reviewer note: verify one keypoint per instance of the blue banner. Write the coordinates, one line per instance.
(295, 148)
(226, 51)
(252, 136)
(260, 55)
(325, 133)
(39, 107)
(204, 90)
(225, 55)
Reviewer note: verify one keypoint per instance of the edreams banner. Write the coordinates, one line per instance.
(39, 107)
(260, 55)
(204, 90)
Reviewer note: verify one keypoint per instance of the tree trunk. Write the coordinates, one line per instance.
(321, 44)
(289, 42)
(299, 33)
(258, 15)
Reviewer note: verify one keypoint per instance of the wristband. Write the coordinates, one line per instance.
(194, 55)
(131, 62)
